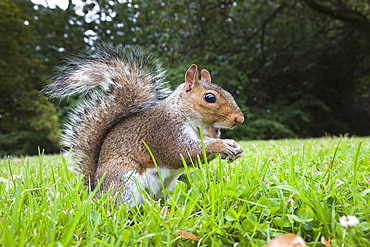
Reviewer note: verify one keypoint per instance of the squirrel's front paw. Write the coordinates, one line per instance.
(232, 150)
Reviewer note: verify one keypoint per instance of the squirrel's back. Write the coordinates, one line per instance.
(127, 78)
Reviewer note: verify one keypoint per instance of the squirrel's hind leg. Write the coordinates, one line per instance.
(122, 180)
(132, 184)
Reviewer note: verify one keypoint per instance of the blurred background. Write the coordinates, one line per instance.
(297, 68)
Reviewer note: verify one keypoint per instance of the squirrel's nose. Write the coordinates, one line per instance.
(239, 118)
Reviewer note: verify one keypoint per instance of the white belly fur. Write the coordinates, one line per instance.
(153, 181)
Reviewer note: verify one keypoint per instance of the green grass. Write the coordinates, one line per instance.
(299, 186)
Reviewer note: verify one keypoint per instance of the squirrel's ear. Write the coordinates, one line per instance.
(205, 75)
(191, 78)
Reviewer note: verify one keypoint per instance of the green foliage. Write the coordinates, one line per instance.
(261, 129)
(297, 68)
(26, 119)
(299, 186)
(290, 63)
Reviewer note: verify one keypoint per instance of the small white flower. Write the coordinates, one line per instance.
(347, 221)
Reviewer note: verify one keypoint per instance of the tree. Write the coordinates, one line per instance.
(26, 119)
(297, 68)
(353, 12)
(290, 64)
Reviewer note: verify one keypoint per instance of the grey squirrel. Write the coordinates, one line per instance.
(124, 103)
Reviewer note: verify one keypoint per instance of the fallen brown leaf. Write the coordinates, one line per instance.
(287, 240)
(325, 242)
(187, 235)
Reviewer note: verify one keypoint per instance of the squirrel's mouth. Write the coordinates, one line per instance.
(215, 132)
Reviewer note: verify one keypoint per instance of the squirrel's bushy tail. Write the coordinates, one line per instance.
(112, 84)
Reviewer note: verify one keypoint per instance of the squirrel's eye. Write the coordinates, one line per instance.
(210, 98)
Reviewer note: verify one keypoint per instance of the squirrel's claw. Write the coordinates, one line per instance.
(232, 150)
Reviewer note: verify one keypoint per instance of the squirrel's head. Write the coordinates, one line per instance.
(214, 107)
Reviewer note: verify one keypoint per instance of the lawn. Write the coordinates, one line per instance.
(299, 186)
